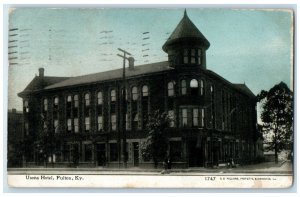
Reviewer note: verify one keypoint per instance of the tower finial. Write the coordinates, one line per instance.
(185, 14)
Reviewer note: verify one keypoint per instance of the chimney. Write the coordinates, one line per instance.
(41, 72)
(131, 63)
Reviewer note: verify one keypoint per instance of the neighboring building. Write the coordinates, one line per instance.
(14, 138)
(214, 120)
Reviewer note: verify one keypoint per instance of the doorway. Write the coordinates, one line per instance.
(101, 158)
(135, 154)
(196, 156)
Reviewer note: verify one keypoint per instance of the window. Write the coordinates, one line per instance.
(113, 122)
(134, 93)
(184, 117)
(202, 117)
(127, 122)
(26, 106)
(145, 91)
(55, 125)
(100, 123)
(87, 99)
(68, 107)
(100, 98)
(113, 95)
(88, 152)
(56, 101)
(45, 126)
(76, 102)
(69, 124)
(193, 56)
(172, 118)
(195, 117)
(171, 88)
(194, 83)
(201, 87)
(211, 89)
(135, 119)
(55, 108)
(186, 56)
(194, 87)
(183, 87)
(199, 56)
(87, 124)
(26, 128)
(45, 105)
(113, 152)
(76, 126)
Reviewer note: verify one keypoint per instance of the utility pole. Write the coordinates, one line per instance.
(123, 127)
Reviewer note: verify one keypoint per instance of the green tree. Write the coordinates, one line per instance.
(277, 117)
(156, 145)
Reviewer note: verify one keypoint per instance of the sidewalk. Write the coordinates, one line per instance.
(284, 167)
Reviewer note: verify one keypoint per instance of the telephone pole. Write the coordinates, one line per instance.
(123, 127)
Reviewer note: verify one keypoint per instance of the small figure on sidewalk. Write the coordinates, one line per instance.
(166, 165)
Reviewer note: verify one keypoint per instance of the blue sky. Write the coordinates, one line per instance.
(251, 46)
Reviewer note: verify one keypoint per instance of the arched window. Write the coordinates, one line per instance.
(183, 87)
(76, 102)
(194, 87)
(113, 95)
(194, 83)
(56, 100)
(100, 98)
(45, 103)
(171, 88)
(87, 99)
(134, 93)
(26, 106)
(145, 91)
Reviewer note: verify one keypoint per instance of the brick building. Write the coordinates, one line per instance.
(213, 120)
(14, 138)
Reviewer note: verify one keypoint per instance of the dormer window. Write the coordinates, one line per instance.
(186, 56)
(192, 56)
(199, 56)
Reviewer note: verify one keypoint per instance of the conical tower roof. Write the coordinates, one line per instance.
(186, 30)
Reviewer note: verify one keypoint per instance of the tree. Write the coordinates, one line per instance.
(156, 145)
(277, 116)
(45, 142)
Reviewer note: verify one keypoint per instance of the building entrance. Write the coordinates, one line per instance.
(101, 158)
(135, 153)
(196, 153)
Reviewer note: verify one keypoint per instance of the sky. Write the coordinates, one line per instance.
(246, 46)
